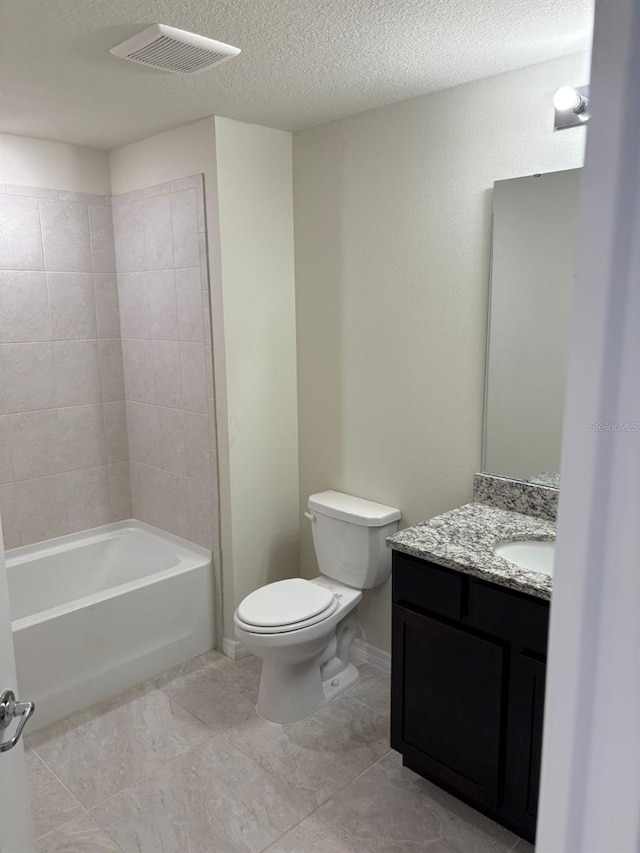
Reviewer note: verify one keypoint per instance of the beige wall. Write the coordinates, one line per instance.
(392, 226)
(256, 243)
(55, 165)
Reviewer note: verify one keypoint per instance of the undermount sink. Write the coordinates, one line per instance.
(529, 554)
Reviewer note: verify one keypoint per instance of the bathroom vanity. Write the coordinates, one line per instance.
(469, 649)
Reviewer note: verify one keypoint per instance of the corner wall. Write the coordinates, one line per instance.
(392, 224)
(255, 197)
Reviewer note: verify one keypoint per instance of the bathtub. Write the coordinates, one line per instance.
(99, 611)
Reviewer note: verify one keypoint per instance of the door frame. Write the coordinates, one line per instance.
(16, 829)
(590, 794)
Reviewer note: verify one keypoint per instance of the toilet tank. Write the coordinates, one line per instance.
(349, 537)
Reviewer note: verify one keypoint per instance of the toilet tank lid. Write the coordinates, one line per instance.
(355, 510)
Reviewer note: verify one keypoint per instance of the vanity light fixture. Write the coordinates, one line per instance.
(571, 107)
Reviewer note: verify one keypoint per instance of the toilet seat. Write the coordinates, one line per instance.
(286, 606)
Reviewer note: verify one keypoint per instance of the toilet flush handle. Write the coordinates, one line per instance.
(310, 515)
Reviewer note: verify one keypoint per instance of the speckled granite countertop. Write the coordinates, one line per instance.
(464, 539)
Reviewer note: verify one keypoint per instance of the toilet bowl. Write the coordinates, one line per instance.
(303, 629)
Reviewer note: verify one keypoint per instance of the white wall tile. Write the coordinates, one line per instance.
(161, 305)
(119, 491)
(85, 198)
(135, 318)
(200, 507)
(184, 222)
(34, 443)
(139, 370)
(77, 372)
(206, 317)
(165, 357)
(87, 498)
(107, 308)
(116, 436)
(169, 441)
(103, 251)
(41, 508)
(6, 453)
(24, 306)
(9, 517)
(49, 357)
(65, 236)
(28, 377)
(142, 431)
(157, 232)
(196, 439)
(204, 261)
(81, 437)
(194, 379)
(189, 301)
(73, 306)
(20, 234)
(160, 498)
(111, 369)
(128, 225)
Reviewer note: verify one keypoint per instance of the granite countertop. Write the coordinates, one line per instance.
(464, 539)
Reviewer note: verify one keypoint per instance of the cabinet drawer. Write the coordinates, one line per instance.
(520, 619)
(427, 586)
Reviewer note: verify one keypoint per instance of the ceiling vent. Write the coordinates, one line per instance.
(178, 51)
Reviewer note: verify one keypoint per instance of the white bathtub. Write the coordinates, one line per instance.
(96, 612)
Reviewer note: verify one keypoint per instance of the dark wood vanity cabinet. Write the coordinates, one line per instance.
(467, 687)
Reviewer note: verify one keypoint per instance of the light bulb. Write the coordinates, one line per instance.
(566, 99)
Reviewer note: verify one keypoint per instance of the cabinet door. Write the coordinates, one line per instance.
(524, 740)
(446, 703)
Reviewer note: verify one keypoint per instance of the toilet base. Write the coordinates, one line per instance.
(291, 693)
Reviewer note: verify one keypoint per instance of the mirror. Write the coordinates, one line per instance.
(532, 260)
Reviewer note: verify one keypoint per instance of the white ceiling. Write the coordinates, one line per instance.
(303, 62)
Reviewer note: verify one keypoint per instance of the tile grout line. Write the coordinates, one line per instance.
(151, 774)
(67, 789)
(143, 778)
(67, 822)
(326, 800)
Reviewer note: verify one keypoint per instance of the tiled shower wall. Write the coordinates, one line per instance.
(73, 453)
(166, 338)
(63, 440)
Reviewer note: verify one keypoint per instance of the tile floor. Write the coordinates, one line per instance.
(183, 764)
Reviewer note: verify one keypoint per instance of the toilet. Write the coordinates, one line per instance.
(303, 629)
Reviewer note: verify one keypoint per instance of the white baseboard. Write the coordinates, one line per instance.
(234, 649)
(363, 652)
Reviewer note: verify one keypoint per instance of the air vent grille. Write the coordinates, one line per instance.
(178, 51)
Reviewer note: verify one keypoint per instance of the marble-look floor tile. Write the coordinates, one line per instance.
(98, 752)
(523, 847)
(213, 689)
(321, 754)
(390, 809)
(250, 664)
(212, 799)
(316, 835)
(373, 688)
(51, 803)
(81, 835)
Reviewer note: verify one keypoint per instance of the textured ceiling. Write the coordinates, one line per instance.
(303, 62)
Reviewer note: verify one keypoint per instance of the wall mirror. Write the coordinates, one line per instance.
(533, 249)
